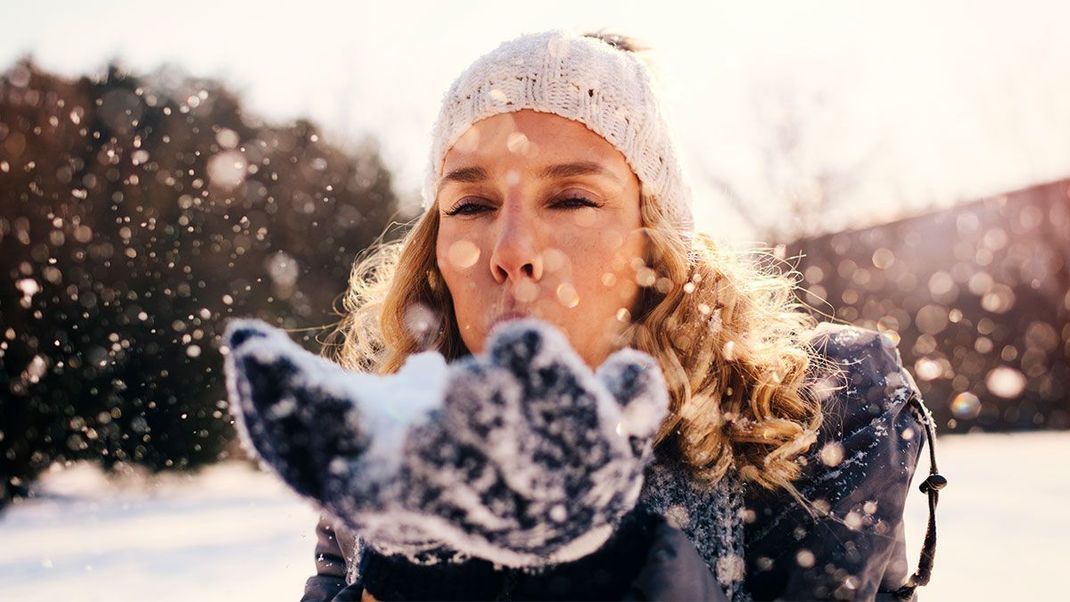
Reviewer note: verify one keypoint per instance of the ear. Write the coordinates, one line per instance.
(283, 414)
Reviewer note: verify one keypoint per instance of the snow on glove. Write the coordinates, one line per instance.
(520, 455)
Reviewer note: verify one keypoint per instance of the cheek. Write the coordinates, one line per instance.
(457, 254)
(459, 259)
(603, 269)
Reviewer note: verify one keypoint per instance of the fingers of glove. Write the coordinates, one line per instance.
(635, 380)
(552, 411)
(295, 427)
(482, 456)
(254, 388)
(485, 426)
(523, 454)
(543, 362)
(561, 396)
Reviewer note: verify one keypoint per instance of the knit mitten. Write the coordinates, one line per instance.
(521, 455)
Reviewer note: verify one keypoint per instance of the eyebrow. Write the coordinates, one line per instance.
(578, 168)
(474, 175)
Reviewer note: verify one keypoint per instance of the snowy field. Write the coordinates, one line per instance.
(232, 533)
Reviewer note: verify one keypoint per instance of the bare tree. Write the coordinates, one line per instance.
(803, 188)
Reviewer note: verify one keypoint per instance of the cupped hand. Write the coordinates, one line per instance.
(521, 455)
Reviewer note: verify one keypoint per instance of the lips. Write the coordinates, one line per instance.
(509, 315)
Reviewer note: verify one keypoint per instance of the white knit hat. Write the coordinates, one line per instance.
(580, 78)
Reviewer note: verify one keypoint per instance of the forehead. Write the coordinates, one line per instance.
(531, 138)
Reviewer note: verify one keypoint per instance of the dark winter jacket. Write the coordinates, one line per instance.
(647, 559)
(766, 546)
(860, 470)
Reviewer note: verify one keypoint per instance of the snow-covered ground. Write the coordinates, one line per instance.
(1003, 532)
(232, 533)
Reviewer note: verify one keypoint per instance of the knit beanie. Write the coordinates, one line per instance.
(585, 79)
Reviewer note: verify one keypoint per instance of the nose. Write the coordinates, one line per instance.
(516, 252)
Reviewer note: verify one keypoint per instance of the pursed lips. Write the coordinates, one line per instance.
(509, 315)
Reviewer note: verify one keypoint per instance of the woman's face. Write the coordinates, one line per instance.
(539, 216)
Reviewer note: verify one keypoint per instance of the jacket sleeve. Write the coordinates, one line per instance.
(856, 476)
(330, 577)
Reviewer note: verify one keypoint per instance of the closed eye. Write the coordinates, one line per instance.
(576, 202)
(467, 209)
(573, 202)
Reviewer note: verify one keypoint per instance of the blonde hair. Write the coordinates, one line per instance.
(732, 339)
(726, 329)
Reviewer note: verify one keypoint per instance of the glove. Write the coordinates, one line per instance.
(520, 455)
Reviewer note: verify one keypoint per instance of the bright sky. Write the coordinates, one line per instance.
(925, 102)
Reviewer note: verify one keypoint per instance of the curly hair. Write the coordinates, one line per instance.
(726, 327)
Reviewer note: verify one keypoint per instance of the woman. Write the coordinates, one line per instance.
(554, 192)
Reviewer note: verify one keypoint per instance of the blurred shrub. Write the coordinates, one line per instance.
(136, 213)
